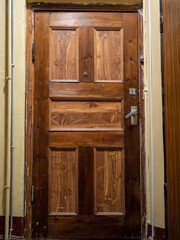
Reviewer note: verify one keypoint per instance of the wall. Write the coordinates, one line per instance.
(126, 2)
(153, 112)
(19, 105)
(154, 139)
(2, 104)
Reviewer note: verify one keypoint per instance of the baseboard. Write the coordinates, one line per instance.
(17, 227)
(159, 233)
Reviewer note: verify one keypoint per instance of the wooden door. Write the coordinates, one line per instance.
(86, 155)
(171, 77)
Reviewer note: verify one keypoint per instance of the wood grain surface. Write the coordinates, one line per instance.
(142, 125)
(171, 70)
(82, 91)
(40, 142)
(63, 43)
(29, 122)
(86, 54)
(132, 164)
(76, 115)
(63, 181)
(86, 158)
(108, 55)
(86, 5)
(109, 181)
(85, 19)
(115, 138)
(86, 181)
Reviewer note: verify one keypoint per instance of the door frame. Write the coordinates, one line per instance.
(31, 8)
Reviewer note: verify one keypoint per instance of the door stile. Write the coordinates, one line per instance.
(40, 148)
(132, 169)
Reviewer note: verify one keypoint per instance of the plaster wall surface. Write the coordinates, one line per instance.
(2, 104)
(153, 115)
(157, 124)
(19, 105)
(125, 2)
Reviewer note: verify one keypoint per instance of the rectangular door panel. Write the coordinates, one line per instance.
(63, 181)
(63, 43)
(68, 115)
(109, 55)
(109, 181)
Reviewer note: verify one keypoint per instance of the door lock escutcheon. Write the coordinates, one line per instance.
(85, 74)
(134, 115)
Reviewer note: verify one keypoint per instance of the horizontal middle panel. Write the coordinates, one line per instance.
(79, 115)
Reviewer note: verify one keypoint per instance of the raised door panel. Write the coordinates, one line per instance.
(109, 193)
(63, 55)
(109, 55)
(86, 115)
(63, 181)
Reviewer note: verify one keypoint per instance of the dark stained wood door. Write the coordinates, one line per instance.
(86, 155)
(171, 75)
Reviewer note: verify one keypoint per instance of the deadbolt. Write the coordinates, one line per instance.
(85, 74)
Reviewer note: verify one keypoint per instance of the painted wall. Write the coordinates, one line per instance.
(154, 139)
(89, 2)
(153, 112)
(19, 105)
(2, 104)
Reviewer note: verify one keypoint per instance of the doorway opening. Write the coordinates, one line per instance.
(84, 158)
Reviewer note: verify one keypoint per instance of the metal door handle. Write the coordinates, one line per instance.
(132, 112)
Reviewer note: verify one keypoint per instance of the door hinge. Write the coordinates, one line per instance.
(33, 52)
(161, 24)
(32, 194)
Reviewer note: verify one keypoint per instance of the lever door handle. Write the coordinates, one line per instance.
(132, 113)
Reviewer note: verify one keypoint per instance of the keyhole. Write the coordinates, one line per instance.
(85, 74)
